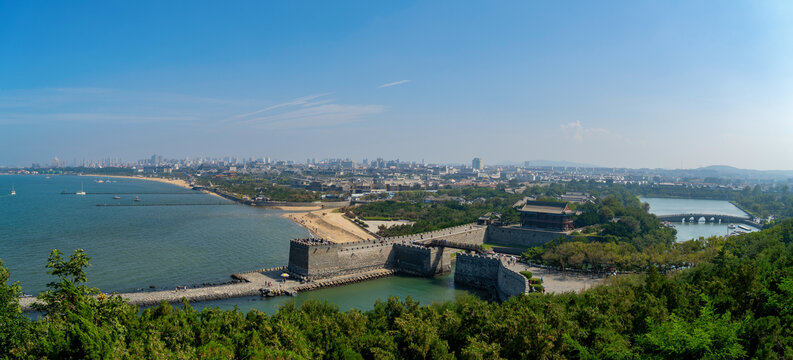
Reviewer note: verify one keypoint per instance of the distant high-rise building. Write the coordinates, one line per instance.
(476, 163)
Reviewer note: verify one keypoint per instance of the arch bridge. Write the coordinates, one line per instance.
(709, 218)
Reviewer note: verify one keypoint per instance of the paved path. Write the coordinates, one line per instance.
(560, 281)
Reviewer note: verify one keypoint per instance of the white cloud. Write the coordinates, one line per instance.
(578, 132)
(395, 83)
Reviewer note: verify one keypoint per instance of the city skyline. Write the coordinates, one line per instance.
(625, 84)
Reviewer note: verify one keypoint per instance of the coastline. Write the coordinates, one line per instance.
(177, 182)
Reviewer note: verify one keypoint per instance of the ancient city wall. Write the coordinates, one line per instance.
(516, 236)
(511, 283)
(311, 259)
(487, 272)
(421, 261)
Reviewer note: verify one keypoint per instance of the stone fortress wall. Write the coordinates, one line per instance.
(487, 272)
(520, 237)
(311, 259)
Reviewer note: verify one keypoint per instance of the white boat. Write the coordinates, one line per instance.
(116, 197)
(745, 228)
(81, 192)
(137, 198)
(731, 226)
(13, 192)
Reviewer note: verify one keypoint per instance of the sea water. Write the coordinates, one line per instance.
(142, 247)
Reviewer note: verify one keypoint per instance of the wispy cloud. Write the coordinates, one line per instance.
(296, 102)
(395, 83)
(304, 112)
(578, 132)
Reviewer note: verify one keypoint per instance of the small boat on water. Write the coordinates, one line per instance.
(137, 198)
(744, 228)
(81, 192)
(731, 226)
(116, 197)
(13, 192)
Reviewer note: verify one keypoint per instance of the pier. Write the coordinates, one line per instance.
(264, 283)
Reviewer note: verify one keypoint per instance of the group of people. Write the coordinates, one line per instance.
(312, 241)
(509, 259)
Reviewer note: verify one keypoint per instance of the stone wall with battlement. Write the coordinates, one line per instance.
(313, 259)
(420, 260)
(520, 237)
(487, 272)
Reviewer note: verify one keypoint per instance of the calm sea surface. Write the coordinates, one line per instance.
(135, 247)
(688, 231)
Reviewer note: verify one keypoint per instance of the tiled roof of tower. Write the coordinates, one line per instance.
(546, 207)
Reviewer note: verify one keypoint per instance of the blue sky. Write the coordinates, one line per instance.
(621, 83)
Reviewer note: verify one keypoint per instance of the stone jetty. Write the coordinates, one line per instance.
(265, 283)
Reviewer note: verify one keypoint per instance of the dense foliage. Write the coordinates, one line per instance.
(251, 187)
(738, 303)
(430, 215)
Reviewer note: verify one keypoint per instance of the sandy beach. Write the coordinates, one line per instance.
(329, 225)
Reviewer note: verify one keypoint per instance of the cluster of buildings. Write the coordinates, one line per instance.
(360, 177)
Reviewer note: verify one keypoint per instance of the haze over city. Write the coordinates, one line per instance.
(625, 84)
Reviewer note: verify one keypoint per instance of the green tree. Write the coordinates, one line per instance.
(13, 326)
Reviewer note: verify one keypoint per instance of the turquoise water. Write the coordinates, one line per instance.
(165, 246)
(688, 231)
(362, 295)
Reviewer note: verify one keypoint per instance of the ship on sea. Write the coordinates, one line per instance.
(116, 197)
(81, 192)
(13, 192)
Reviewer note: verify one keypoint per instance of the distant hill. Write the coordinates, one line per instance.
(730, 171)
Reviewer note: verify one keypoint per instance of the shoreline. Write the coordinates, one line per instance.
(174, 181)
